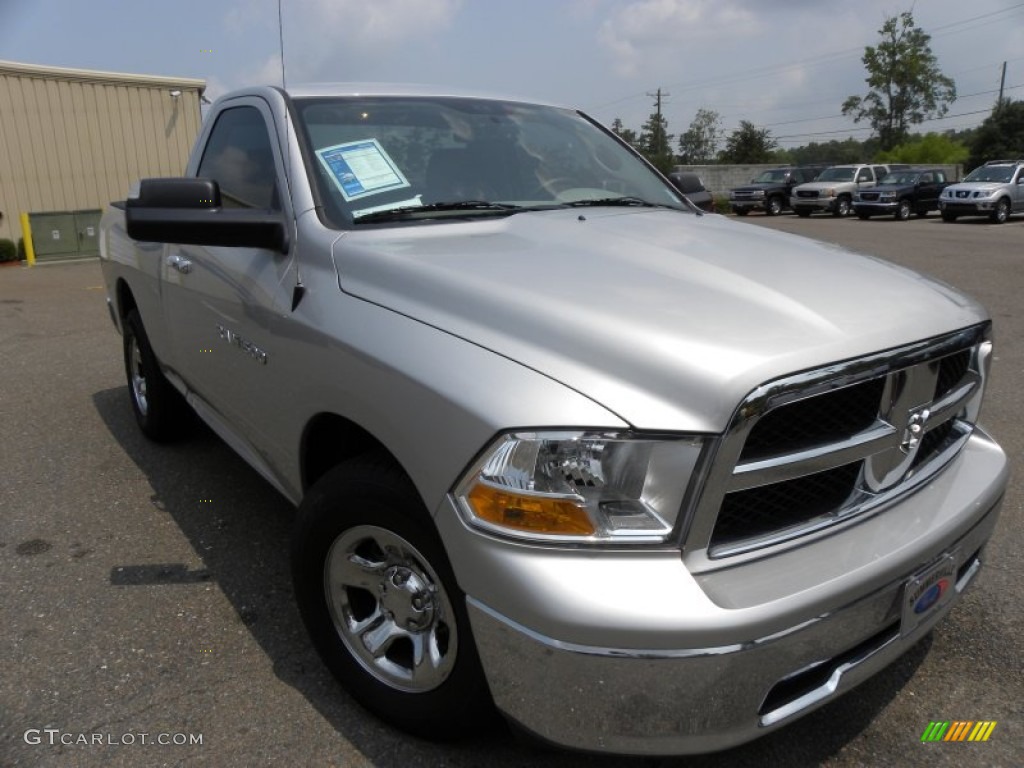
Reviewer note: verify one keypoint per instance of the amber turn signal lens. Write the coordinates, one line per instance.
(524, 512)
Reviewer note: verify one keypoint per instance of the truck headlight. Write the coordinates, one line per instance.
(580, 486)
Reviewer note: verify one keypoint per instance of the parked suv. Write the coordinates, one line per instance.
(771, 190)
(834, 188)
(995, 189)
(901, 193)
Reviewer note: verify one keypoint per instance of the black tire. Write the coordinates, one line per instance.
(947, 216)
(740, 211)
(803, 213)
(863, 215)
(1001, 212)
(903, 210)
(363, 522)
(843, 207)
(160, 410)
(773, 207)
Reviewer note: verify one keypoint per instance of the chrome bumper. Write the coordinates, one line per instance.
(641, 696)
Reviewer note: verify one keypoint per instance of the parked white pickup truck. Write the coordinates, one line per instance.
(647, 480)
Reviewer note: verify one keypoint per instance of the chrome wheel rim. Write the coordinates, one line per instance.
(138, 378)
(390, 609)
(1002, 212)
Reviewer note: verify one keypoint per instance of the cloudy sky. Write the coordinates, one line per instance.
(786, 65)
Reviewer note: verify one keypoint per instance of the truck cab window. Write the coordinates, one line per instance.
(239, 157)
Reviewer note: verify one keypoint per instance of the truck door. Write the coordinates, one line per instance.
(221, 302)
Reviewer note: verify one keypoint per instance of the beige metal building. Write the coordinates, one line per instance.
(73, 140)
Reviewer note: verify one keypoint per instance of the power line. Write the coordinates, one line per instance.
(786, 66)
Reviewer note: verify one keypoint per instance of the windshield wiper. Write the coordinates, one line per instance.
(614, 201)
(461, 205)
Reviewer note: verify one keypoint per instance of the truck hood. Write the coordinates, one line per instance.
(665, 318)
(985, 187)
(821, 185)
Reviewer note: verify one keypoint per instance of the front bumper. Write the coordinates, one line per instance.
(576, 650)
(978, 208)
(813, 203)
(875, 208)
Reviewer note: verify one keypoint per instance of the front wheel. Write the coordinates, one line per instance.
(380, 602)
(903, 211)
(803, 213)
(159, 408)
(774, 206)
(842, 207)
(740, 211)
(863, 215)
(1001, 212)
(947, 216)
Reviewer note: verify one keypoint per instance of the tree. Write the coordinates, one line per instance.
(655, 142)
(1000, 136)
(748, 144)
(700, 142)
(926, 150)
(628, 135)
(906, 86)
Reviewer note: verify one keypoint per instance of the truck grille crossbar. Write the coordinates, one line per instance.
(825, 447)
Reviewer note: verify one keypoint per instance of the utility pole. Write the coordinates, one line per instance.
(1002, 84)
(657, 136)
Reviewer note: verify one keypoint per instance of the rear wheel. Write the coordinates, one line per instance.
(160, 410)
(903, 210)
(380, 602)
(774, 206)
(1001, 212)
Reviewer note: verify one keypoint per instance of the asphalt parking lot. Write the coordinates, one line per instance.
(146, 588)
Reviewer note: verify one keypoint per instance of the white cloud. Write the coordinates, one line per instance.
(335, 30)
(643, 32)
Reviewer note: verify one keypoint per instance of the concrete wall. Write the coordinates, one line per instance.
(719, 179)
(76, 139)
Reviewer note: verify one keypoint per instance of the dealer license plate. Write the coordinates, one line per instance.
(927, 592)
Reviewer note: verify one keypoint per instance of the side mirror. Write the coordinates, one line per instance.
(189, 211)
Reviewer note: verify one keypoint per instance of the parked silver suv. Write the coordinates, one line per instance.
(995, 189)
(834, 188)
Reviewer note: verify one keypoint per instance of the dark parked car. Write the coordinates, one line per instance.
(691, 185)
(901, 193)
(770, 191)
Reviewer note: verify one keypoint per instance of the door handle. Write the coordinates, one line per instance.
(179, 263)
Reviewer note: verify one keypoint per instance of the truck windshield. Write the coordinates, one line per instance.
(770, 176)
(836, 174)
(384, 159)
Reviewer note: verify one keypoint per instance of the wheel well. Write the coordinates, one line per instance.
(329, 439)
(125, 300)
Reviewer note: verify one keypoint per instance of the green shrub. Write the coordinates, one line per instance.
(722, 204)
(21, 249)
(8, 250)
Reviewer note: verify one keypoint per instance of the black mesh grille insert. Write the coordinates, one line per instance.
(934, 442)
(759, 511)
(951, 370)
(826, 418)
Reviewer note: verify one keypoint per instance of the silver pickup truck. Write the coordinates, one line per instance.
(650, 481)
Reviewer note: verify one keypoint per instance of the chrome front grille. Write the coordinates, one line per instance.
(811, 193)
(825, 447)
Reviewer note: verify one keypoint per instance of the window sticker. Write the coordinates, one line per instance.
(361, 168)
